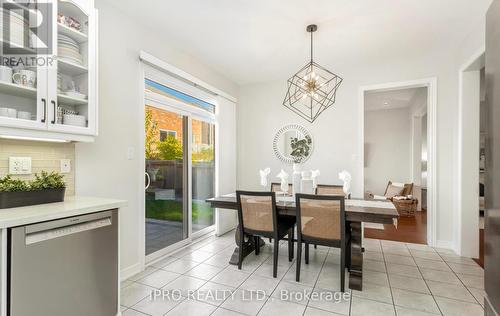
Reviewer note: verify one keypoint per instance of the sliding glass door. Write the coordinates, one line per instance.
(179, 168)
(166, 210)
(203, 173)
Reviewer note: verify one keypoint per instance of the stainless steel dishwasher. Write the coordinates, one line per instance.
(65, 267)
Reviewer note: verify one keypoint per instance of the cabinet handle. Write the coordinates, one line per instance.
(44, 118)
(55, 111)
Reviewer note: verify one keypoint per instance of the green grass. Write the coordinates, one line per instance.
(172, 211)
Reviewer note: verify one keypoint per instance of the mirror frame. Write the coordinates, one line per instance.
(287, 128)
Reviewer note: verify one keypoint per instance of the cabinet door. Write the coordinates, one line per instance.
(72, 82)
(23, 73)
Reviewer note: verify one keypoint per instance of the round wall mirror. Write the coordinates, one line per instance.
(293, 144)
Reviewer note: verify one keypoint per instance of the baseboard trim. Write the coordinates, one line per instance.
(132, 270)
(445, 244)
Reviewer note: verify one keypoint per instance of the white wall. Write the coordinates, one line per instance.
(102, 168)
(387, 148)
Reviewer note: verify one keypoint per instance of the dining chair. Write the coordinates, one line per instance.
(328, 189)
(276, 187)
(258, 217)
(321, 221)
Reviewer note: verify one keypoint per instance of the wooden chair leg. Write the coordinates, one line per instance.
(240, 251)
(270, 240)
(299, 254)
(342, 269)
(290, 244)
(275, 259)
(315, 246)
(256, 241)
(307, 253)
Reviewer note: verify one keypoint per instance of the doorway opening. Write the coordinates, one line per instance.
(398, 152)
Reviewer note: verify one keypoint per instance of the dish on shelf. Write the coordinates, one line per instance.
(70, 22)
(75, 120)
(23, 115)
(8, 112)
(75, 94)
(69, 49)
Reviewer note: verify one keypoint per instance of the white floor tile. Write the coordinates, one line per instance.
(131, 312)
(231, 277)
(399, 259)
(466, 269)
(245, 302)
(180, 266)
(213, 293)
(454, 291)
(413, 300)
(159, 278)
(458, 308)
(363, 307)
(374, 292)
(405, 270)
(406, 283)
(432, 264)
(373, 265)
(275, 307)
(310, 311)
(472, 281)
(142, 274)
(322, 299)
(204, 271)
(225, 312)
(440, 276)
(292, 292)
(192, 307)
(198, 256)
(184, 284)
(257, 282)
(403, 311)
(134, 293)
(158, 306)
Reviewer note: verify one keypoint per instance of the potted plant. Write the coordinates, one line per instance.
(45, 188)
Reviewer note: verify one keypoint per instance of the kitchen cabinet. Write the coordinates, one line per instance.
(57, 97)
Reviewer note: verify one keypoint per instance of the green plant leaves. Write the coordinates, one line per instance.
(44, 181)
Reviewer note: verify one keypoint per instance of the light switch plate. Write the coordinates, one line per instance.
(19, 165)
(65, 165)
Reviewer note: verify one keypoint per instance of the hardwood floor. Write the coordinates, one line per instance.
(409, 229)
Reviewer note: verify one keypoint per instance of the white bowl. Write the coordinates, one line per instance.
(24, 115)
(75, 120)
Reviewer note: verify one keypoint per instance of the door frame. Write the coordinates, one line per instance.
(431, 85)
(467, 236)
(179, 107)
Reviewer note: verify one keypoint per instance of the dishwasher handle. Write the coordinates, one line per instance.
(45, 235)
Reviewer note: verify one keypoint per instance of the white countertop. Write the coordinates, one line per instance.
(72, 206)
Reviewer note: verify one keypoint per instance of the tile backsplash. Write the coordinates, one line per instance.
(44, 156)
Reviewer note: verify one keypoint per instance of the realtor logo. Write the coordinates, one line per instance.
(26, 28)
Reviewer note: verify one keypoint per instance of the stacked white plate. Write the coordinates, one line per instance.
(75, 120)
(69, 49)
(15, 28)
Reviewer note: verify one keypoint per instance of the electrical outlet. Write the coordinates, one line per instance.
(20, 165)
(65, 165)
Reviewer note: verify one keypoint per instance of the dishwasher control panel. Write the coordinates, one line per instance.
(35, 237)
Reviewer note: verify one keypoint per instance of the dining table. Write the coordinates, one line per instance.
(357, 211)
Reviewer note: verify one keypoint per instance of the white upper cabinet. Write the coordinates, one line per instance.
(56, 95)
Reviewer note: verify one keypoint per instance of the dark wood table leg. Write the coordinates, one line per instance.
(248, 247)
(356, 261)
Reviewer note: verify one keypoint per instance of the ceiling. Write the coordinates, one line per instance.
(262, 40)
(393, 99)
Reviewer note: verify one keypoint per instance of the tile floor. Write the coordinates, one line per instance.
(399, 279)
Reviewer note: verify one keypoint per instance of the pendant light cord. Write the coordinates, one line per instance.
(312, 47)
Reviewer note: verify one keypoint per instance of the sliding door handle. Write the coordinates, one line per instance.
(55, 111)
(44, 116)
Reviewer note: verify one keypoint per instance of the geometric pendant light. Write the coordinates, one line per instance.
(312, 89)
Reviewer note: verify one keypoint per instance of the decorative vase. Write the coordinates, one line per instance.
(306, 184)
(297, 177)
